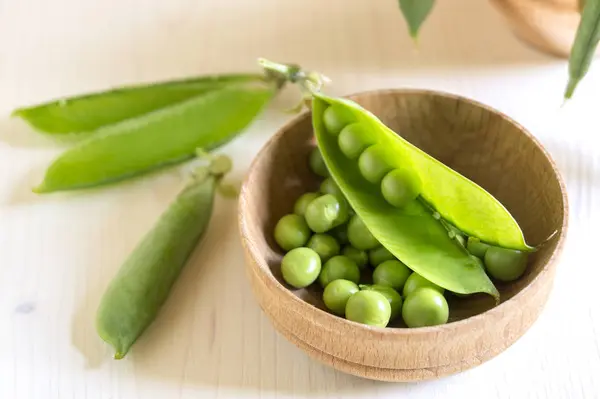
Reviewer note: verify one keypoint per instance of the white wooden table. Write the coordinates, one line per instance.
(58, 252)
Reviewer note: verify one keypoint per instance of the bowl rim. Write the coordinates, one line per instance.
(263, 268)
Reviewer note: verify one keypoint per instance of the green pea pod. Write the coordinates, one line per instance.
(458, 200)
(411, 233)
(88, 112)
(136, 294)
(415, 12)
(584, 46)
(164, 137)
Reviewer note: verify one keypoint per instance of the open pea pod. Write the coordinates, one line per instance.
(160, 138)
(88, 112)
(458, 200)
(410, 232)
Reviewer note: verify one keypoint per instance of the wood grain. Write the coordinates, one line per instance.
(475, 140)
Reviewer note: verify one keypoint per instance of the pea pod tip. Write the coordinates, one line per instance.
(571, 85)
(41, 189)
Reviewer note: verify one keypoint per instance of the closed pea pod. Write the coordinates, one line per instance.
(164, 137)
(136, 294)
(411, 233)
(88, 112)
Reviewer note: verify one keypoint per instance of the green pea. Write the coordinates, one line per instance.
(143, 283)
(399, 187)
(372, 164)
(369, 307)
(340, 233)
(359, 236)
(328, 186)
(300, 267)
(337, 293)
(358, 256)
(324, 245)
(303, 201)
(316, 163)
(505, 264)
(291, 231)
(416, 281)
(391, 273)
(425, 307)
(392, 296)
(339, 267)
(353, 140)
(326, 212)
(380, 255)
(335, 118)
(476, 247)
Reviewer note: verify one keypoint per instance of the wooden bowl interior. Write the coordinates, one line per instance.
(476, 141)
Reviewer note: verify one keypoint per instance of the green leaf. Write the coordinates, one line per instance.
(584, 46)
(415, 12)
(160, 138)
(411, 233)
(89, 112)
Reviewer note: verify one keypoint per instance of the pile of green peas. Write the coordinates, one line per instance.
(326, 243)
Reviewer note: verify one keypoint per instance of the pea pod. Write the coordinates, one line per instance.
(584, 46)
(411, 233)
(88, 112)
(164, 137)
(458, 200)
(136, 294)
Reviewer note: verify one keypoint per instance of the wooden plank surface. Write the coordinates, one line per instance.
(58, 252)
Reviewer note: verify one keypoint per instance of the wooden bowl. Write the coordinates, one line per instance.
(477, 141)
(548, 25)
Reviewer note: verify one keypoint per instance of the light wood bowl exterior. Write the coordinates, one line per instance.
(477, 141)
(548, 25)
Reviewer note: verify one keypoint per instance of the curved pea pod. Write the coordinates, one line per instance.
(136, 294)
(411, 233)
(88, 112)
(584, 45)
(458, 200)
(160, 138)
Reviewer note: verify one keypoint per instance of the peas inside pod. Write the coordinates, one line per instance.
(377, 227)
